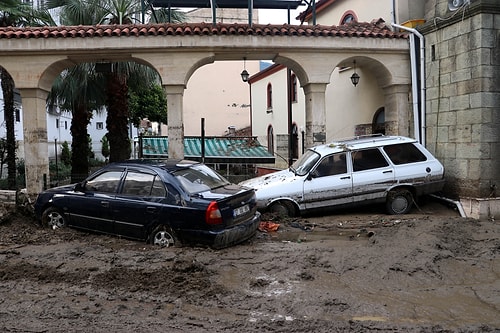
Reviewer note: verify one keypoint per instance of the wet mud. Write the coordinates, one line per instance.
(350, 271)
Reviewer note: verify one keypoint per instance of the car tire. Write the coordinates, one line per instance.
(53, 218)
(163, 236)
(283, 208)
(399, 202)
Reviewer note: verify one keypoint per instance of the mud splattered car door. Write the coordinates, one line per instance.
(329, 183)
(372, 175)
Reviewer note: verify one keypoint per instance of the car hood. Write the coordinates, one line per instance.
(279, 178)
(59, 189)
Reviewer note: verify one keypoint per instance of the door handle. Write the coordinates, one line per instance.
(346, 177)
(150, 209)
(387, 171)
(105, 204)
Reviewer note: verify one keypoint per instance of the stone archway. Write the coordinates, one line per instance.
(35, 55)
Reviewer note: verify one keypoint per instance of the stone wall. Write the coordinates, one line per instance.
(463, 95)
(7, 202)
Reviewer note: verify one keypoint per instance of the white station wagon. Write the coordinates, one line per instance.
(393, 170)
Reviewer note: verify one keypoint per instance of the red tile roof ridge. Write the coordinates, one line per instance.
(374, 29)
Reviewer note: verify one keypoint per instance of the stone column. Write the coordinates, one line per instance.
(397, 108)
(175, 95)
(35, 139)
(315, 113)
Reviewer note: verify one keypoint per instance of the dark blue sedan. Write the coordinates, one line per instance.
(164, 202)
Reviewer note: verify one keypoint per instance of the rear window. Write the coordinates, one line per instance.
(404, 153)
(199, 178)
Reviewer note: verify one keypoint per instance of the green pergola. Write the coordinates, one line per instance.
(232, 150)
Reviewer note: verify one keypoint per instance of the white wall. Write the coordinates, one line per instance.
(217, 93)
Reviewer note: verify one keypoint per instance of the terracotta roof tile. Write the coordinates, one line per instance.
(375, 29)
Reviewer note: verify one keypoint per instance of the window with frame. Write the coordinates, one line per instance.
(106, 182)
(404, 153)
(270, 139)
(367, 159)
(294, 88)
(269, 96)
(138, 183)
(348, 17)
(332, 165)
(99, 125)
(295, 141)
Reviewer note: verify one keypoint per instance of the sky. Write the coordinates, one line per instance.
(278, 16)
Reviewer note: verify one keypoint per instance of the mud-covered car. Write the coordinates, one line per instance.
(165, 202)
(393, 170)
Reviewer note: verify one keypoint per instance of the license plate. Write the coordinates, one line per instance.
(241, 210)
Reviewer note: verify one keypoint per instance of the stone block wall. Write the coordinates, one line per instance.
(463, 95)
(7, 202)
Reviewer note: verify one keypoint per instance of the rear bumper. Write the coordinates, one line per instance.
(431, 187)
(237, 234)
(219, 239)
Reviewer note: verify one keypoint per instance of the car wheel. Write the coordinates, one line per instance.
(399, 202)
(283, 208)
(163, 236)
(53, 218)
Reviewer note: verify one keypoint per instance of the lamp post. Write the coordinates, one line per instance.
(355, 76)
(244, 74)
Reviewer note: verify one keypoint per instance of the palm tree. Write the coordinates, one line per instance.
(118, 79)
(78, 90)
(117, 122)
(15, 13)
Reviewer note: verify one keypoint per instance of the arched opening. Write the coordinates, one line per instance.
(348, 17)
(269, 97)
(294, 87)
(378, 124)
(295, 142)
(270, 139)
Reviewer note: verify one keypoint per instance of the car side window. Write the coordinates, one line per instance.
(332, 165)
(106, 182)
(368, 159)
(158, 189)
(404, 153)
(138, 183)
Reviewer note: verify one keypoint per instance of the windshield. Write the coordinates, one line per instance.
(199, 178)
(305, 163)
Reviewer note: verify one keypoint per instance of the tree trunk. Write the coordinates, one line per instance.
(117, 119)
(9, 112)
(80, 143)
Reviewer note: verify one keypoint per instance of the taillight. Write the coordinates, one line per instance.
(213, 215)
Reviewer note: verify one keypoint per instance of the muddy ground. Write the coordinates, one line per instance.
(351, 271)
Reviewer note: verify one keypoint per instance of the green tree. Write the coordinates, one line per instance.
(15, 13)
(105, 147)
(148, 102)
(65, 153)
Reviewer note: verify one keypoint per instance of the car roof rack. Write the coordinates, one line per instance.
(360, 137)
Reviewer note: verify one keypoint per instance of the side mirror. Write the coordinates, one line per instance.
(313, 174)
(80, 187)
